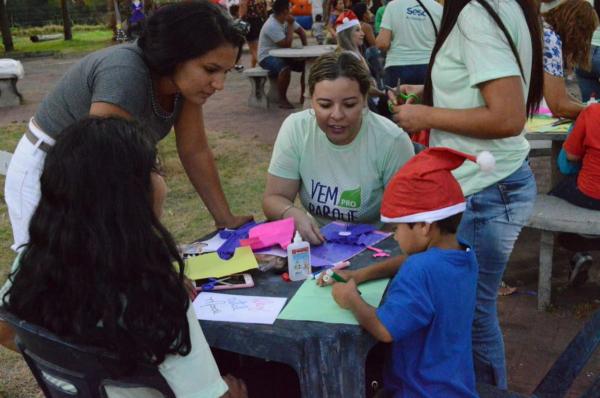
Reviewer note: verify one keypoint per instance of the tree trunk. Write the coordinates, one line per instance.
(66, 19)
(5, 27)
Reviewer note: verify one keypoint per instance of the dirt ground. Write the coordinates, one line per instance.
(533, 339)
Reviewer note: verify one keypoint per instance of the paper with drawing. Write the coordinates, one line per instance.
(236, 308)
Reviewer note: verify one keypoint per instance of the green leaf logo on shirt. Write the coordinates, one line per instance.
(350, 199)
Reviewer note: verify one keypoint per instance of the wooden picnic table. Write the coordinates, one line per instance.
(328, 358)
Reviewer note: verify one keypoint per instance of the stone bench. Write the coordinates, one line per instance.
(551, 215)
(10, 72)
(258, 97)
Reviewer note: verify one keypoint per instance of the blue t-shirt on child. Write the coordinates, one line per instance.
(429, 310)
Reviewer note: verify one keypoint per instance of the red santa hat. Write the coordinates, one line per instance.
(346, 20)
(424, 189)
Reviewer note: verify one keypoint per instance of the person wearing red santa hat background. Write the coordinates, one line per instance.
(428, 311)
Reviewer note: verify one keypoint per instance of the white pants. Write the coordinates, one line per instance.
(22, 188)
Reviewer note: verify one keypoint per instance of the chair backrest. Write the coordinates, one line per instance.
(63, 369)
(571, 362)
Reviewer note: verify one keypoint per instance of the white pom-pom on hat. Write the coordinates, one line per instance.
(486, 161)
(346, 20)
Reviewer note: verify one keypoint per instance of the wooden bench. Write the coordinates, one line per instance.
(551, 215)
(258, 97)
(10, 72)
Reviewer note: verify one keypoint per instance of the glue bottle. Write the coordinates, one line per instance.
(298, 255)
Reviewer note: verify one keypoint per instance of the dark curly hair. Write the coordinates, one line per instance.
(181, 31)
(575, 22)
(98, 268)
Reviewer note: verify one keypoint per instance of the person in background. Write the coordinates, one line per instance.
(485, 78)
(366, 19)
(408, 33)
(427, 313)
(379, 16)
(254, 12)
(234, 11)
(582, 187)
(568, 30)
(162, 80)
(98, 268)
(338, 156)
(336, 7)
(589, 80)
(278, 32)
(318, 29)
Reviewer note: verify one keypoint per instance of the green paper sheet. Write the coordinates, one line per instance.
(210, 265)
(314, 303)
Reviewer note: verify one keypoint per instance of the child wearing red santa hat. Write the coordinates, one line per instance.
(428, 310)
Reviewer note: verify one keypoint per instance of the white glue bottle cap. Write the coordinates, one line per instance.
(297, 237)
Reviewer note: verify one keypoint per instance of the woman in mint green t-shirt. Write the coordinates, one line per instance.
(338, 156)
(485, 76)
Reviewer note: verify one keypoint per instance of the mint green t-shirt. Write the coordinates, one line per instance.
(413, 35)
(477, 51)
(340, 182)
(596, 38)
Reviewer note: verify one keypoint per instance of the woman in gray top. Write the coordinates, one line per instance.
(162, 80)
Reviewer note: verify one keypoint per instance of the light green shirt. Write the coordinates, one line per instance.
(340, 182)
(413, 35)
(477, 51)
(596, 38)
(195, 375)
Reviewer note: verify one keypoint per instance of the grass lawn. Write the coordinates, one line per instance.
(242, 165)
(85, 41)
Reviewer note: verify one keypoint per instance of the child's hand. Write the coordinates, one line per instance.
(344, 293)
(347, 274)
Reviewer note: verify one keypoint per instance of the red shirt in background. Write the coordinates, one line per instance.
(584, 142)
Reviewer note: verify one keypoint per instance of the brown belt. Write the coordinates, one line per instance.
(44, 146)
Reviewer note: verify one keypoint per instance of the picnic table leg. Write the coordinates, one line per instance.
(555, 175)
(545, 273)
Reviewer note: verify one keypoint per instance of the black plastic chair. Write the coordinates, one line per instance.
(86, 370)
(564, 371)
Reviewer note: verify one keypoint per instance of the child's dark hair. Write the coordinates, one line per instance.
(318, 18)
(97, 252)
(447, 226)
(234, 10)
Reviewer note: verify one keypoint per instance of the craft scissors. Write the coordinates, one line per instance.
(400, 95)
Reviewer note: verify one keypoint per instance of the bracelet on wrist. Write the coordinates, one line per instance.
(285, 210)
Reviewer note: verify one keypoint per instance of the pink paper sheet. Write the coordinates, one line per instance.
(270, 234)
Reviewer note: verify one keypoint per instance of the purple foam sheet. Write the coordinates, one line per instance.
(330, 253)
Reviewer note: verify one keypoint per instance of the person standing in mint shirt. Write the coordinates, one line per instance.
(407, 33)
(485, 77)
(162, 80)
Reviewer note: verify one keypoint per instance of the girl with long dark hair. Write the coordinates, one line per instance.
(485, 76)
(98, 268)
(162, 80)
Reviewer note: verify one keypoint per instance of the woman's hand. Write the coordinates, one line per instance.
(412, 118)
(234, 222)
(345, 293)
(307, 226)
(415, 89)
(237, 387)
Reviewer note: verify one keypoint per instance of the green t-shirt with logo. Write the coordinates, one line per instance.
(477, 51)
(413, 35)
(340, 182)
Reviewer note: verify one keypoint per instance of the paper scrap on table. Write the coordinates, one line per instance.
(236, 308)
(210, 265)
(213, 244)
(315, 303)
(543, 124)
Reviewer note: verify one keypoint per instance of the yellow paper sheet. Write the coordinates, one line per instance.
(210, 265)
(543, 124)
